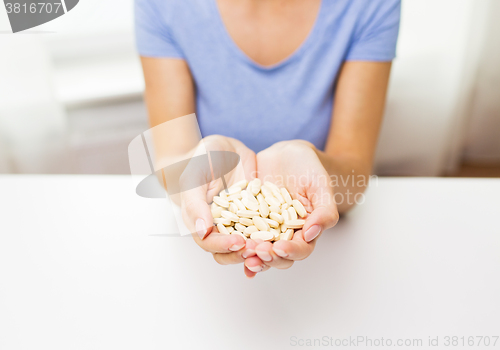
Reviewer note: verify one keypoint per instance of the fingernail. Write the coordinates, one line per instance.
(257, 268)
(247, 253)
(236, 247)
(312, 233)
(201, 228)
(264, 255)
(280, 252)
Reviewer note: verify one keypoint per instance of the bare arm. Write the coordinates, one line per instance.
(357, 116)
(169, 94)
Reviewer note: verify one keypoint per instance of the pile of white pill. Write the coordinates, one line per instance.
(257, 211)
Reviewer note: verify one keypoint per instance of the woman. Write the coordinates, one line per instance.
(295, 87)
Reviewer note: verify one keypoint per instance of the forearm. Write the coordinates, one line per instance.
(348, 176)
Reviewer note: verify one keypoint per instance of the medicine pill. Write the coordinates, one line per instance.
(264, 235)
(257, 211)
(246, 221)
(276, 217)
(299, 208)
(250, 204)
(231, 216)
(272, 223)
(233, 208)
(247, 213)
(239, 227)
(223, 221)
(275, 209)
(295, 223)
(250, 229)
(221, 202)
(222, 229)
(260, 223)
(286, 196)
(287, 235)
(216, 212)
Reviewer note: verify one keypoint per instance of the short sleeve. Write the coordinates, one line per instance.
(153, 34)
(377, 34)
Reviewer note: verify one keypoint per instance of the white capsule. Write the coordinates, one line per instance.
(216, 212)
(264, 210)
(286, 215)
(233, 197)
(276, 217)
(279, 197)
(275, 209)
(239, 227)
(223, 221)
(271, 186)
(256, 182)
(286, 236)
(246, 221)
(222, 229)
(292, 213)
(284, 206)
(241, 184)
(254, 189)
(244, 194)
(233, 190)
(239, 204)
(223, 194)
(231, 216)
(266, 191)
(221, 202)
(251, 205)
(264, 235)
(249, 230)
(272, 223)
(233, 208)
(260, 223)
(276, 233)
(299, 208)
(229, 229)
(286, 196)
(272, 201)
(260, 199)
(247, 213)
(283, 227)
(295, 223)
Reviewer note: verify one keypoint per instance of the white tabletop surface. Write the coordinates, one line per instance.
(81, 268)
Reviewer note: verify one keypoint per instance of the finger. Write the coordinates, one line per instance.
(196, 211)
(296, 249)
(265, 252)
(217, 242)
(251, 274)
(254, 264)
(236, 257)
(248, 273)
(324, 214)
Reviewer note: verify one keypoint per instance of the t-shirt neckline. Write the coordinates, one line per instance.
(242, 55)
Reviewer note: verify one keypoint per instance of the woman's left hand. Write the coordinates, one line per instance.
(296, 166)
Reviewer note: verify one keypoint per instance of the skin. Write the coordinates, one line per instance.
(256, 26)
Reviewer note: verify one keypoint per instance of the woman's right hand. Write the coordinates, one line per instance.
(227, 249)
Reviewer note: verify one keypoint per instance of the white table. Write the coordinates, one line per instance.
(80, 268)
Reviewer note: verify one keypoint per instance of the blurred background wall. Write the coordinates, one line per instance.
(71, 91)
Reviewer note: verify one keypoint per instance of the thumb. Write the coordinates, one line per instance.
(324, 214)
(196, 211)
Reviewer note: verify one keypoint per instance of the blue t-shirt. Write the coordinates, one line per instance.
(260, 105)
